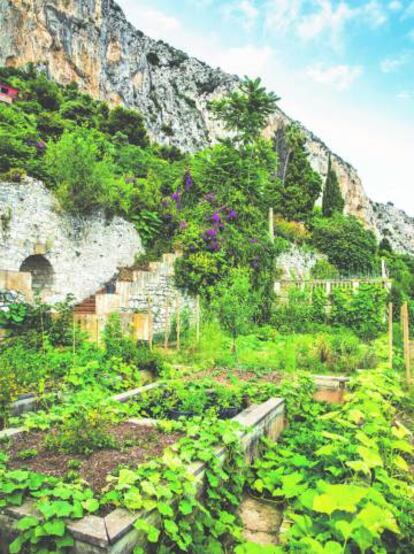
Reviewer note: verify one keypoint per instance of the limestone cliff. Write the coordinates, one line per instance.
(91, 42)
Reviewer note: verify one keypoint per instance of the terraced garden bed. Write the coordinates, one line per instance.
(128, 445)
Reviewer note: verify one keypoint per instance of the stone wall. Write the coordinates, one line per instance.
(155, 289)
(8, 297)
(84, 253)
(297, 263)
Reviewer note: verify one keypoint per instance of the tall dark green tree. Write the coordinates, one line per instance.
(246, 110)
(301, 185)
(332, 200)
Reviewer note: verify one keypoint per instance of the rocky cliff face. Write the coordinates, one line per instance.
(396, 226)
(92, 43)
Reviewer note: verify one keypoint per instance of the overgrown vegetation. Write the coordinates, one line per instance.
(341, 475)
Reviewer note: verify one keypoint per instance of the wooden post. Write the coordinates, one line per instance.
(150, 324)
(198, 318)
(178, 321)
(390, 334)
(406, 341)
(167, 324)
(73, 334)
(271, 225)
(98, 335)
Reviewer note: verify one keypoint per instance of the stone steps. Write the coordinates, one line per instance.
(87, 307)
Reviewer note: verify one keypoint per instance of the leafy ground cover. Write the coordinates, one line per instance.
(343, 477)
(124, 444)
(48, 365)
(322, 351)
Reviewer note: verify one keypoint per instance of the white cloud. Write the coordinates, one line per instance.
(373, 13)
(281, 15)
(339, 77)
(246, 60)
(395, 6)
(405, 95)
(327, 19)
(318, 19)
(244, 10)
(153, 22)
(389, 65)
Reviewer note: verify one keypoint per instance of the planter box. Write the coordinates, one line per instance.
(22, 405)
(115, 533)
(331, 388)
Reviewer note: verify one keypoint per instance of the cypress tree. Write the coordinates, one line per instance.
(301, 186)
(332, 200)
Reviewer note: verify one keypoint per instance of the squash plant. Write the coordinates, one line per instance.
(344, 476)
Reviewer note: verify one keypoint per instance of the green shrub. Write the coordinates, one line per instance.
(349, 246)
(82, 432)
(324, 270)
(363, 310)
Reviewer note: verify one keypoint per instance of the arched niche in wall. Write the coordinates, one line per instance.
(41, 270)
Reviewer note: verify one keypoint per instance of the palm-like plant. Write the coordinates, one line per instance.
(245, 111)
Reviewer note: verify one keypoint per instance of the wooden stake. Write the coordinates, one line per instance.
(406, 340)
(198, 318)
(390, 334)
(178, 321)
(150, 323)
(167, 324)
(98, 335)
(73, 335)
(271, 225)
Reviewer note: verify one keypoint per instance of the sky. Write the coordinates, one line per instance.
(344, 68)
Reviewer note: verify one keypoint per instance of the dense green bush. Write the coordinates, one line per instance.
(348, 245)
(363, 310)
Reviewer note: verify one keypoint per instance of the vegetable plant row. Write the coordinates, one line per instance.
(344, 477)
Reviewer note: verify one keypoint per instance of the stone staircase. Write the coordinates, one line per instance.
(87, 306)
(140, 291)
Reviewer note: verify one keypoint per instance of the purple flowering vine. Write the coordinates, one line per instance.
(231, 215)
(210, 197)
(216, 218)
(188, 180)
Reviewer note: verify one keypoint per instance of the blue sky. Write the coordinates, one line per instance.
(342, 67)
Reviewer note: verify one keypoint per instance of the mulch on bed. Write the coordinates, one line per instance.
(141, 444)
(225, 376)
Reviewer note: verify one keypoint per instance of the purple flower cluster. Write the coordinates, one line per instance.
(188, 180)
(210, 197)
(183, 225)
(210, 238)
(216, 218)
(231, 215)
(40, 145)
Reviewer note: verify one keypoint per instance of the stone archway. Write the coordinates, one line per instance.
(41, 270)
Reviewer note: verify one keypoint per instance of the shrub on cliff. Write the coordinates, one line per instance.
(348, 245)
